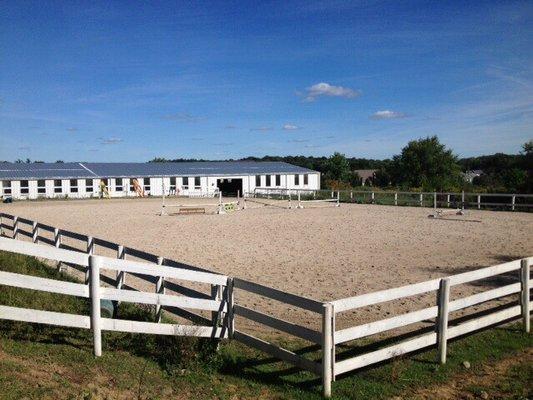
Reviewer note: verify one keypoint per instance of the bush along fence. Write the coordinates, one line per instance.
(513, 301)
(461, 200)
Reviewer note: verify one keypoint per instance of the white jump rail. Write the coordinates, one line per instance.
(220, 205)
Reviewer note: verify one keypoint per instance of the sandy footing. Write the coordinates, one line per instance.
(323, 253)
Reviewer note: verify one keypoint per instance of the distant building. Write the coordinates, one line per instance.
(367, 176)
(83, 180)
(469, 176)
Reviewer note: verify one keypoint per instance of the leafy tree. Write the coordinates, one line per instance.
(528, 147)
(337, 168)
(426, 164)
(355, 179)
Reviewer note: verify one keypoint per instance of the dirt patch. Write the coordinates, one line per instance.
(480, 385)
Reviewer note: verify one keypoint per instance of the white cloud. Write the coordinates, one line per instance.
(325, 89)
(290, 127)
(184, 117)
(112, 140)
(298, 141)
(387, 114)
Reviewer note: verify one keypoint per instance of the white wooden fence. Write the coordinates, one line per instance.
(224, 306)
(463, 200)
(95, 292)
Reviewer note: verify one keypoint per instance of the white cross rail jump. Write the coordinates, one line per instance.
(221, 207)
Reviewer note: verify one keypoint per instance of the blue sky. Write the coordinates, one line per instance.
(129, 81)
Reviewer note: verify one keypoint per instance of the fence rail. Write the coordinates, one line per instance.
(95, 292)
(221, 301)
(506, 201)
(440, 312)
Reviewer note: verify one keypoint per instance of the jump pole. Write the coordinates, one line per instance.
(220, 205)
(163, 211)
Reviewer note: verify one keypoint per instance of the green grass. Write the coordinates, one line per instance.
(39, 361)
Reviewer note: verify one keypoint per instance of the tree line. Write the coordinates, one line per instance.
(424, 164)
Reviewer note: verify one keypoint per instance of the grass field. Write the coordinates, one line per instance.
(43, 362)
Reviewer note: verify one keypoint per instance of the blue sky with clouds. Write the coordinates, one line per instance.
(129, 81)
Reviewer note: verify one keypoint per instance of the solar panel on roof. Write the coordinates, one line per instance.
(109, 170)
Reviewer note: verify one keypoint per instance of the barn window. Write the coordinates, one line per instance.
(89, 185)
(173, 184)
(267, 183)
(57, 186)
(6, 187)
(146, 184)
(41, 186)
(185, 182)
(258, 180)
(24, 187)
(118, 184)
(296, 180)
(197, 183)
(278, 180)
(73, 186)
(306, 179)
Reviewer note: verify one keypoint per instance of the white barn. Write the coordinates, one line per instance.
(84, 180)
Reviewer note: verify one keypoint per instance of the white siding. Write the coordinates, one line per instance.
(208, 186)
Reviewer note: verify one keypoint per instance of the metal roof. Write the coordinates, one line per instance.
(17, 171)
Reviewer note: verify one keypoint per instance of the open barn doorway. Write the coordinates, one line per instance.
(230, 186)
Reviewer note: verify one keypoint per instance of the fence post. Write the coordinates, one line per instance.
(229, 302)
(448, 200)
(524, 293)
(338, 198)
(121, 276)
(216, 294)
(15, 227)
(35, 232)
(395, 198)
(479, 202)
(351, 195)
(513, 199)
(160, 289)
(94, 287)
(373, 197)
(435, 200)
(463, 200)
(90, 250)
(442, 318)
(327, 344)
(421, 199)
(57, 238)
